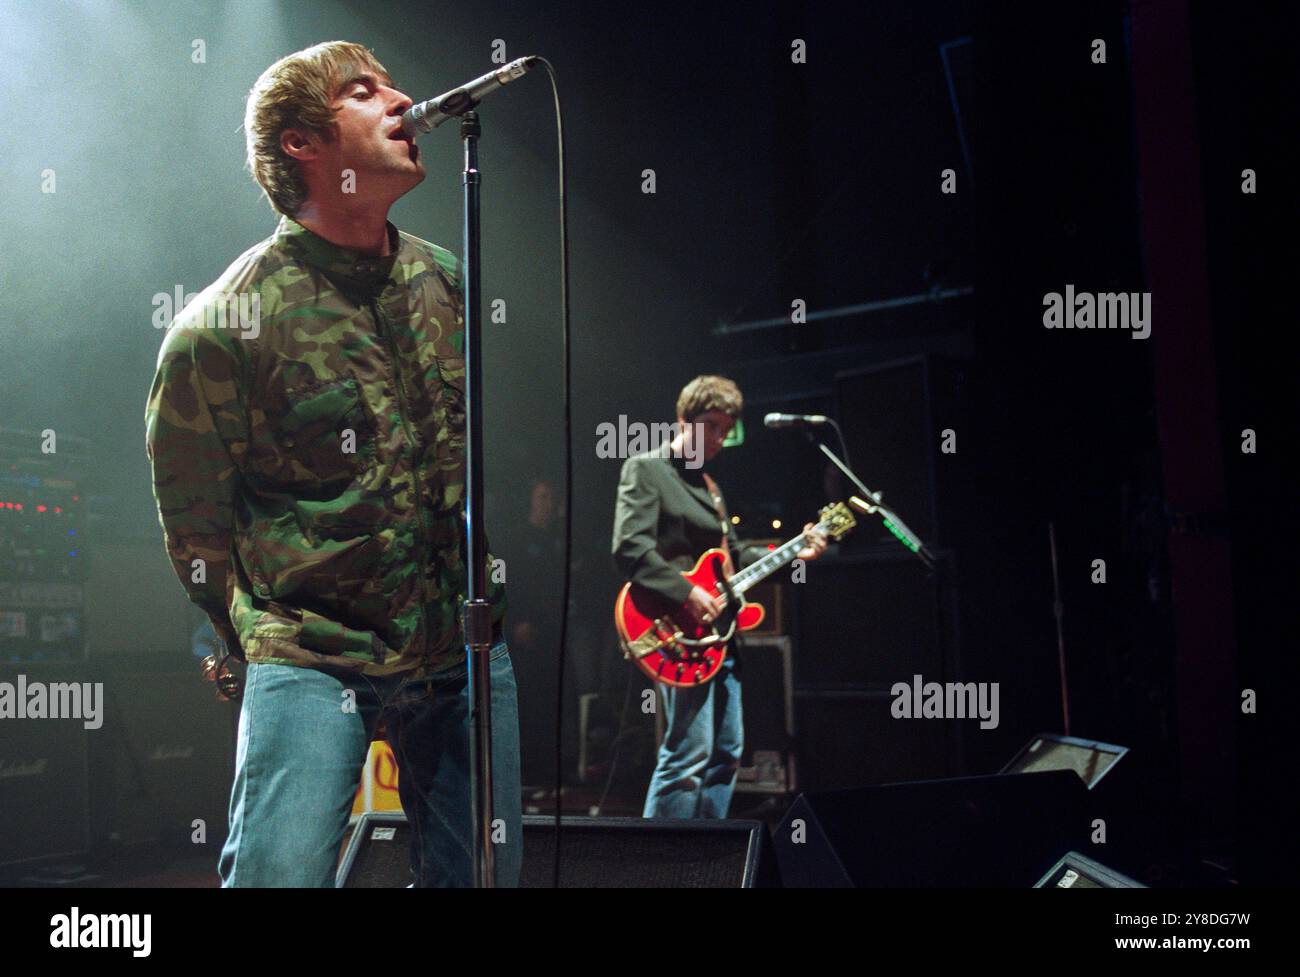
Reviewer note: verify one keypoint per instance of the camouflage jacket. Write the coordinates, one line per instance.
(306, 429)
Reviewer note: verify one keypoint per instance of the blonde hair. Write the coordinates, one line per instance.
(295, 93)
(706, 393)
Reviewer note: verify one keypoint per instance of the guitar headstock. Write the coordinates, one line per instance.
(836, 520)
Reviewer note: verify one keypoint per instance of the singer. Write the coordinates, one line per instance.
(310, 483)
(667, 514)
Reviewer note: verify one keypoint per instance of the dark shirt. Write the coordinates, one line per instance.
(664, 520)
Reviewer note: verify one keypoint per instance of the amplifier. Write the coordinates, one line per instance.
(768, 765)
(164, 760)
(771, 593)
(44, 771)
(43, 554)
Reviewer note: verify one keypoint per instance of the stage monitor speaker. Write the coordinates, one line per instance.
(599, 853)
(1090, 759)
(1075, 871)
(648, 853)
(1125, 801)
(990, 832)
(44, 775)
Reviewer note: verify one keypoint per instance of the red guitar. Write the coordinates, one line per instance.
(662, 638)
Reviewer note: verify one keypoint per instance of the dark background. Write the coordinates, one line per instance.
(775, 181)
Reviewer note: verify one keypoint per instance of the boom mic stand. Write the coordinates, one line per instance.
(873, 504)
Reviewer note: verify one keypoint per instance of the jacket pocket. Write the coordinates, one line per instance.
(324, 437)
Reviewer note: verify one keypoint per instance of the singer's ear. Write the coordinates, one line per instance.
(298, 144)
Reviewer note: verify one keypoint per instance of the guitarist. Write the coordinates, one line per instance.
(669, 511)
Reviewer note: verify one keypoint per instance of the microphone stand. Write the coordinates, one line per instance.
(893, 522)
(476, 615)
(476, 612)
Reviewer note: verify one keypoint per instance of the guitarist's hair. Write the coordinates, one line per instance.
(706, 393)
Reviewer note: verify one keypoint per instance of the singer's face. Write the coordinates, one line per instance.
(712, 426)
(370, 142)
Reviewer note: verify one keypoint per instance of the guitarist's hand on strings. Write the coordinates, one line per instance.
(816, 543)
(703, 607)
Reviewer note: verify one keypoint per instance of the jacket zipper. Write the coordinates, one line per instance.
(381, 322)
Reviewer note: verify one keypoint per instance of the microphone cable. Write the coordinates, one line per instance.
(616, 748)
(567, 425)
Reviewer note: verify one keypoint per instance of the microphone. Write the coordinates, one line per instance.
(426, 116)
(796, 420)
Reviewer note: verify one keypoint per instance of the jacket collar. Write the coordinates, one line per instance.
(345, 266)
(692, 479)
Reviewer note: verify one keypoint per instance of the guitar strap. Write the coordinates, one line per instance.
(736, 642)
(721, 510)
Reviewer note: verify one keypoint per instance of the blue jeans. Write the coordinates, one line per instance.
(303, 739)
(704, 737)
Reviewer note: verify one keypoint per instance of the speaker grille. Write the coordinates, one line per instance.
(380, 858)
(635, 853)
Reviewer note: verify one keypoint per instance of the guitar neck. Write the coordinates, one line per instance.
(763, 568)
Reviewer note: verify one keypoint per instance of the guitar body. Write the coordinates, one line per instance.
(659, 635)
(661, 638)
